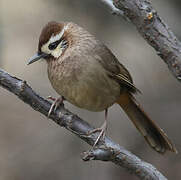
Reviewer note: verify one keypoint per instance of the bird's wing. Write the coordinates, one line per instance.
(115, 69)
(124, 80)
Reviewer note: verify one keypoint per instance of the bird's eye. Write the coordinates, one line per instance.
(53, 45)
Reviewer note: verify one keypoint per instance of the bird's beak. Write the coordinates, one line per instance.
(37, 57)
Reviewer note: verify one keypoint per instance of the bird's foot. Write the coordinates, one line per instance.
(57, 102)
(102, 133)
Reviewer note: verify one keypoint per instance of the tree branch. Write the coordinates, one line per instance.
(152, 28)
(112, 8)
(107, 150)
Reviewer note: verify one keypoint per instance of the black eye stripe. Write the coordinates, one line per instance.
(53, 45)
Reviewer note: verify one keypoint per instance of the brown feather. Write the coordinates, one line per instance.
(52, 28)
(154, 135)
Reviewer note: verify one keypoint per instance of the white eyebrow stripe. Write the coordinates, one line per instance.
(54, 38)
(58, 36)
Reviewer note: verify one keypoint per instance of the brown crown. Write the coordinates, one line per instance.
(52, 28)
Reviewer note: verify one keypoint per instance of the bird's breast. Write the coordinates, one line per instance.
(86, 86)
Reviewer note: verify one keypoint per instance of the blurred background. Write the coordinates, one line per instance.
(32, 147)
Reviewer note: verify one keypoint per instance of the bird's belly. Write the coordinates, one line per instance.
(88, 87)
(91, 94)
(90, 98)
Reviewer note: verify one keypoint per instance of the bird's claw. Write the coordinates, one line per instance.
(102, 133)
(57, 102)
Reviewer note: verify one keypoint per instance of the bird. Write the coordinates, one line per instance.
(88, 75)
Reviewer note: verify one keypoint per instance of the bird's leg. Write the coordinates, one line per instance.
(57, 102)
(102, 130)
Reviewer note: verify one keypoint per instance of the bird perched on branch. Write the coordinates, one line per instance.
(87, 74)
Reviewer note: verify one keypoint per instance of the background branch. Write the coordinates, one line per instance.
(107, 150)
(152, 28)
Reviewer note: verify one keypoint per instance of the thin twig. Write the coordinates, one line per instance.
(113, 9)
(107, 150)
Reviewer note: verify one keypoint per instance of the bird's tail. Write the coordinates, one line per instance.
(154, 135)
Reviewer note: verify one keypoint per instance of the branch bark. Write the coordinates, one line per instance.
(106, 150)
(152, 28)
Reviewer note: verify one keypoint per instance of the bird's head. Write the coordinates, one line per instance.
(52, 42)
